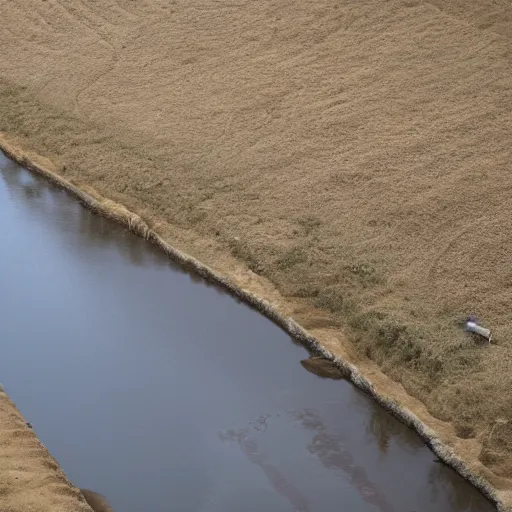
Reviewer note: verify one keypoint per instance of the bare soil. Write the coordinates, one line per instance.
(352, 156)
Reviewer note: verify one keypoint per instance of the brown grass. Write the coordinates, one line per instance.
(354, 154)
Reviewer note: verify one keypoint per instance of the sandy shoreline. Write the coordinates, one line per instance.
(439, 436)
(349, 162)
(30, 477)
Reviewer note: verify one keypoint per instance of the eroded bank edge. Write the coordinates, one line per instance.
(137, 225)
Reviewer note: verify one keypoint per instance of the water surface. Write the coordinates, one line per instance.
(164, 393)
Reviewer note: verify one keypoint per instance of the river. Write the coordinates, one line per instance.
(164, 393)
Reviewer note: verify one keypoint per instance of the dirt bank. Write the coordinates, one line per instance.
(30, 479)
(349, 161)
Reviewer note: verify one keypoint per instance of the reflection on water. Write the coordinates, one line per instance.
(385, 428)
(331, 451)
(279, 482)
(41, 198)
(154, 389)
(444, 481)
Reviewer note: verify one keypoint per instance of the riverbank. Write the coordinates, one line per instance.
(439, 436)
(337, 161)
(30, 478)
(285, 439)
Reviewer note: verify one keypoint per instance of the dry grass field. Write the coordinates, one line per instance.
(355, 154)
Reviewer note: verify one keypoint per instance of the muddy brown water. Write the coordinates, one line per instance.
(164, 393)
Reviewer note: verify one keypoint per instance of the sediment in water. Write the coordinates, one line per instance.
(137, 225)
(323, 368)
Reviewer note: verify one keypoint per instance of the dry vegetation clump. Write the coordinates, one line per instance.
(497, 445)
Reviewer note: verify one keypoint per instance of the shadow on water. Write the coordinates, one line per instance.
(333, 454)
(384, 430)
(163, 394)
